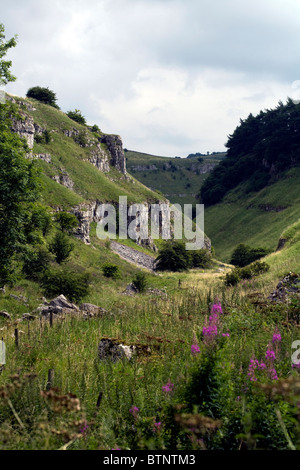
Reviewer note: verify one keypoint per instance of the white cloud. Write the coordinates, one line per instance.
(170, 76)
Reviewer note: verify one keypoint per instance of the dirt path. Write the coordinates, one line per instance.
(133, 256)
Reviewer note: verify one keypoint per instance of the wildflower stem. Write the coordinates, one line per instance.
(15, 413)
(284, 430)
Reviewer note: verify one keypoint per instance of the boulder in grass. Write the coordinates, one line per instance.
(58, 306)
(5, 315)
(114, 350)
(28, 317)
(91, 310)
(62, 302)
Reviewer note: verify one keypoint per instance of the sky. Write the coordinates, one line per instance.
(171, 77)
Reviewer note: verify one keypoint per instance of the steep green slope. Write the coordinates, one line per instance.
(256, 218)
(70, 156)
(179, 179)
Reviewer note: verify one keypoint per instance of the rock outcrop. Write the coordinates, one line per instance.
(115, 147)
(25, 128)
(289, 285)
(114, 350)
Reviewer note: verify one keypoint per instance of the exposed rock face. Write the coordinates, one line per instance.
(202, 168)
(289, 285)
(134, 256)
(99, 159)
(25, 129)
(115, 147)
(144, 168)
(271, 208)
(64, 180)
(281, 243)
(46, 157)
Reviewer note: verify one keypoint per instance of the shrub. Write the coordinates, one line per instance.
(73, 285)
(35, 262)
(140, 282)
(232, 278)
(248, 272)
(200, 258)
(66, 221)
(61, 247)
(43, 94)
(95, 128)
(76, 116)
(111, 270)
(173, 257)
(244, 255)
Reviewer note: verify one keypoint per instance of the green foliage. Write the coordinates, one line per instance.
(258, 144)
(61, 246)
(81, 139)
(45, 138)
(140, 282)
(73, 285)
(232, 278)
(76, 116)
(173, 257)
(200, 259)
(44, 95)
(248, 272)
(19, 187)
(35, 262)
(66, 221)
(111, 270)
(243, 255)
(5, 65)
(96, 129)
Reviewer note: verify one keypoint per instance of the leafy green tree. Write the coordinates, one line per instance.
(61, 246)
(66, 221)
(35, 262)
(173, 257)
(76, 116)
(73, 285)
(5, 65)
(44, 95)
(19, 185)
(244, 255)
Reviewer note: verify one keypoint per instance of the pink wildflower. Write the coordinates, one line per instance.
(195, 349)
(134, 410)
(270, 354)
(168, 387)
(216, 308)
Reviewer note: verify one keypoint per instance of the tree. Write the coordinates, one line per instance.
(5, 74)
(76, 116)
(173, 257)
(61, 247)
(44, 95)
(244, 255)
(66, 221)
(19, 186)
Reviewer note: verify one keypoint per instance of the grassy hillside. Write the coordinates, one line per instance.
(179, 179)
(67, 156)
(255, 218)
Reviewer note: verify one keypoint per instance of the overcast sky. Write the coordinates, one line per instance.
(171, 77)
